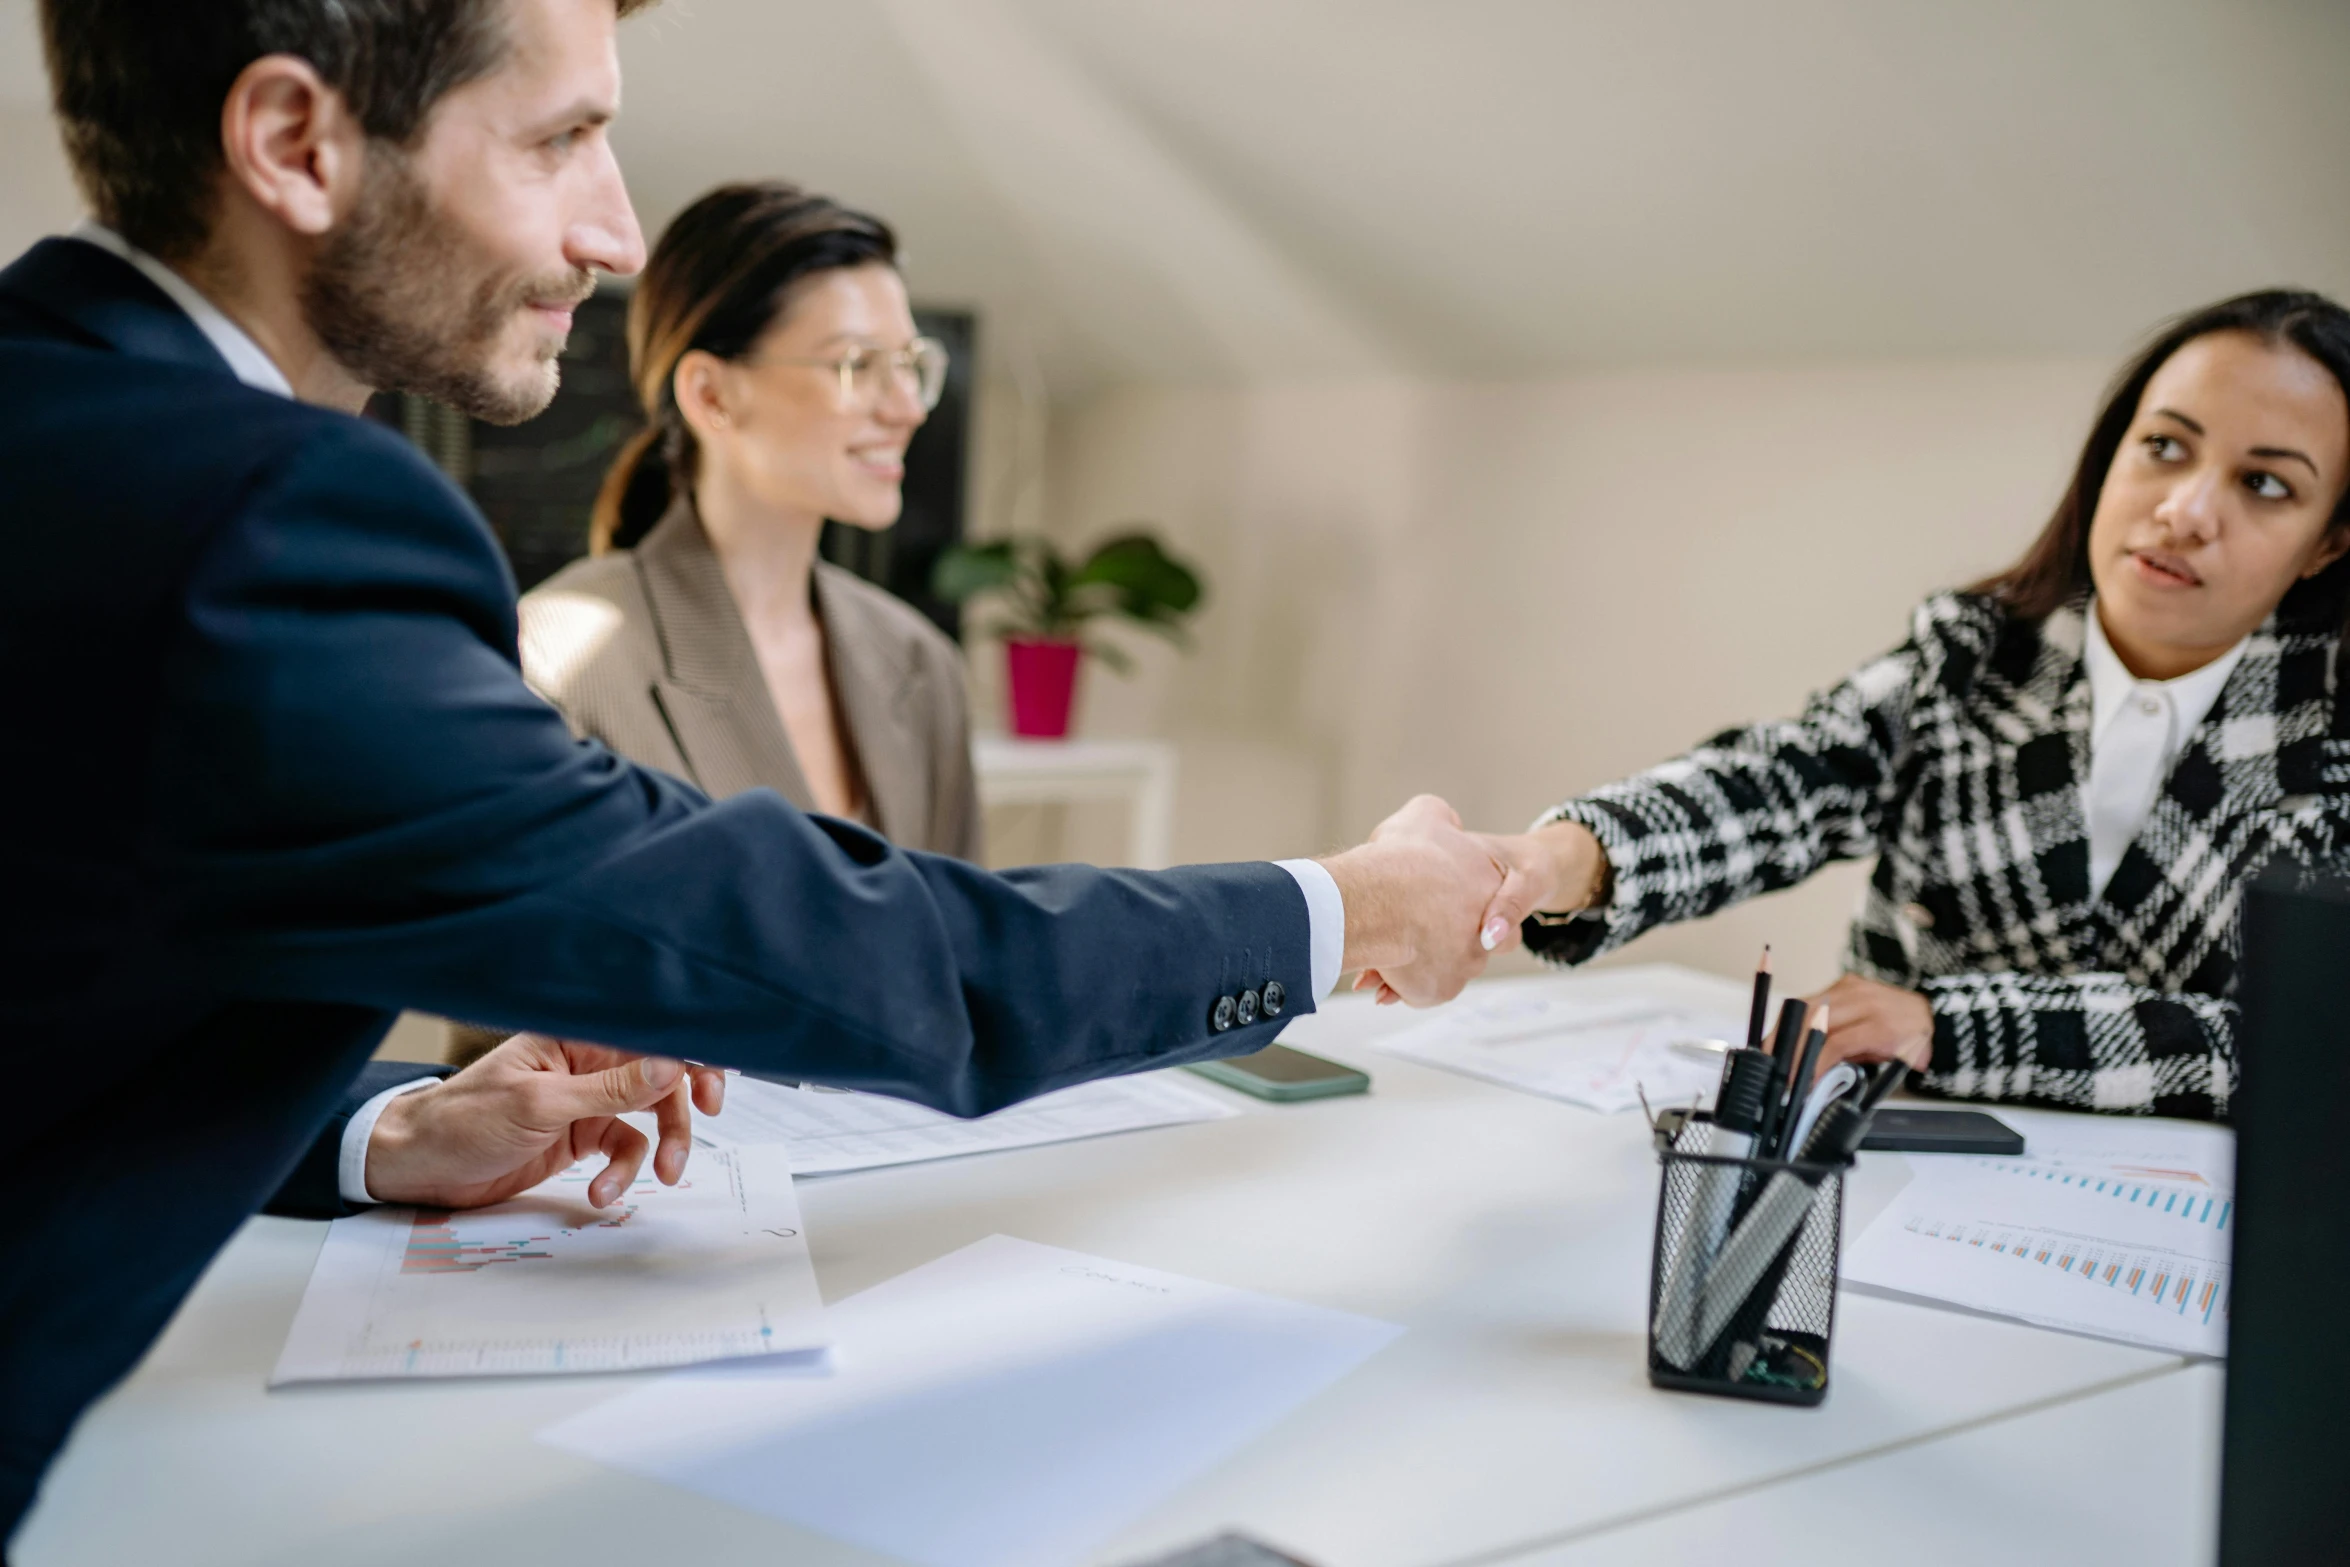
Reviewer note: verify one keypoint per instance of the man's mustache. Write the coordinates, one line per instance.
(560, 293)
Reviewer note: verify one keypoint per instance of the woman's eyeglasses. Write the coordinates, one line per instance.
(867, 374)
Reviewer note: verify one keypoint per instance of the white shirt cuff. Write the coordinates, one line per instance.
(351, 1166)
(1325, 918)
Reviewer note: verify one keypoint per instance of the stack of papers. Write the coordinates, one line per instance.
(1009, 1405)
(1601, 1055)
(2120, 1229)
(713, 1268)
(829, 1132)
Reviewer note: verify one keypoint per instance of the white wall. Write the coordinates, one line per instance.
(1504, 592)
(36, 191)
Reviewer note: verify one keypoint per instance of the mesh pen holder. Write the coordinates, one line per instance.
(1742, 1280)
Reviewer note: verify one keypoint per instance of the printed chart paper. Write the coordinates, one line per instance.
(2096, 1245)
(1601, 1055)
(1008, 1405)
(829, 1132)
(2193, 1152)
(713, 1268)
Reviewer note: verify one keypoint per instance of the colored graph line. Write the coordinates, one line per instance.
(2183, 1286)
(2196, 1204)
(434, 1246)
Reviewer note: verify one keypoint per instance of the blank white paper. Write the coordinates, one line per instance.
(1601, 1055)
(1009, 1405)
(829, 1132)
(713, 1268)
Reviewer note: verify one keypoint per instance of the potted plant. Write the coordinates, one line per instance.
(1047, 604)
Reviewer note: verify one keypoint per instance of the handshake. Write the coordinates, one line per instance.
(1427, 900)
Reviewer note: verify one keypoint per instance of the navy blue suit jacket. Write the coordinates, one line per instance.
(270, 773)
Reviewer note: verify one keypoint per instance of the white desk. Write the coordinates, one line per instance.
(1139, 773)
(1510, 1234)
(2048, 1485)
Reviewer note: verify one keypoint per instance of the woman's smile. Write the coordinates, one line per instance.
(886, 463)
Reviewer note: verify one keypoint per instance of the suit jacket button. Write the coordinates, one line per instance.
(1919, 915)
(1220, 1017)
(1275, 998)
(1248, 1007)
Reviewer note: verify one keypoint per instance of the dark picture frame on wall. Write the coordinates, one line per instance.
(536, 482)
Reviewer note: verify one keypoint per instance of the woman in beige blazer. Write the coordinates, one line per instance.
(774, 352)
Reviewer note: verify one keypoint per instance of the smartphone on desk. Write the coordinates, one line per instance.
(1282, 1074)
(1898, 1129)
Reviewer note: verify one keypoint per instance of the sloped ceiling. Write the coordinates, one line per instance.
(1188, 189)
(1251, 187)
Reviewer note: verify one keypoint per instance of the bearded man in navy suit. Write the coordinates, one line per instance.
(271, 772)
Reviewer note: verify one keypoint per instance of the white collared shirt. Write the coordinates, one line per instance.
(244, 356)
(2137, 728)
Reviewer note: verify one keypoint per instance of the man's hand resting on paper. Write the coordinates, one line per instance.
(1414, 895)
(528, 1109)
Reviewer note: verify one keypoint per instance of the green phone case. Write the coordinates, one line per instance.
(1235, 1074)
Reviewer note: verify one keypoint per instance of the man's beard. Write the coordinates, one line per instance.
(402, 303)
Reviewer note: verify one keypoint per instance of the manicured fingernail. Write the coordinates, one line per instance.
(1495, 929)
(659, 1071)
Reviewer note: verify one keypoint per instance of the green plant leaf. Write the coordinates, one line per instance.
(1110, 654)
(968, 570)
(1145, 579)
(1129, 576)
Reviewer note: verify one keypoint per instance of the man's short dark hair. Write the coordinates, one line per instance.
(138, 87)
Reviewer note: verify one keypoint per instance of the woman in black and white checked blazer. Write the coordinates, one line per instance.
(2061, 840)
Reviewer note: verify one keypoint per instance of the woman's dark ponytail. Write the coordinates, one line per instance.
(637, 490)
(715, 282)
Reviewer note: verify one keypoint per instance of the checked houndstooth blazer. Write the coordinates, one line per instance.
(1957, 759)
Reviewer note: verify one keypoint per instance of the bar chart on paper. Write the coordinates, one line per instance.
(2103, 1250)
(713, 1268)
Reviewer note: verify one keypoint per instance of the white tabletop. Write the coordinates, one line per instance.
(1509, 1234)
(2062, 1482)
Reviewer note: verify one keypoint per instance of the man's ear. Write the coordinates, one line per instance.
(291, 144)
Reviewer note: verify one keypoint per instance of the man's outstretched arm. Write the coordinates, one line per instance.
(367, 805)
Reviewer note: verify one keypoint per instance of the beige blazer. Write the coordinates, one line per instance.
(644, 650)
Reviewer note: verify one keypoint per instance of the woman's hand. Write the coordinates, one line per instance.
(1556, 869)
(1868, 1021)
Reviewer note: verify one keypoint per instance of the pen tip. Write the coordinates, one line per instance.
(1763, 963)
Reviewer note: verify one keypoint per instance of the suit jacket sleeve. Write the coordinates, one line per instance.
(313, 1189)
(359, 800)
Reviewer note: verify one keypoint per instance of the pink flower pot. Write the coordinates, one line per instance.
(1043, 680)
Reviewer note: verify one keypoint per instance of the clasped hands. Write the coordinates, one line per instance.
(1427, 901)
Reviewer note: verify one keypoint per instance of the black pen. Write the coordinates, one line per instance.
(1762, 1001)
(1782, 1061)
(1800, 1084)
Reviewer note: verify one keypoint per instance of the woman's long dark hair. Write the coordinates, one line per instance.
(716, 281)
(2055, 570)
